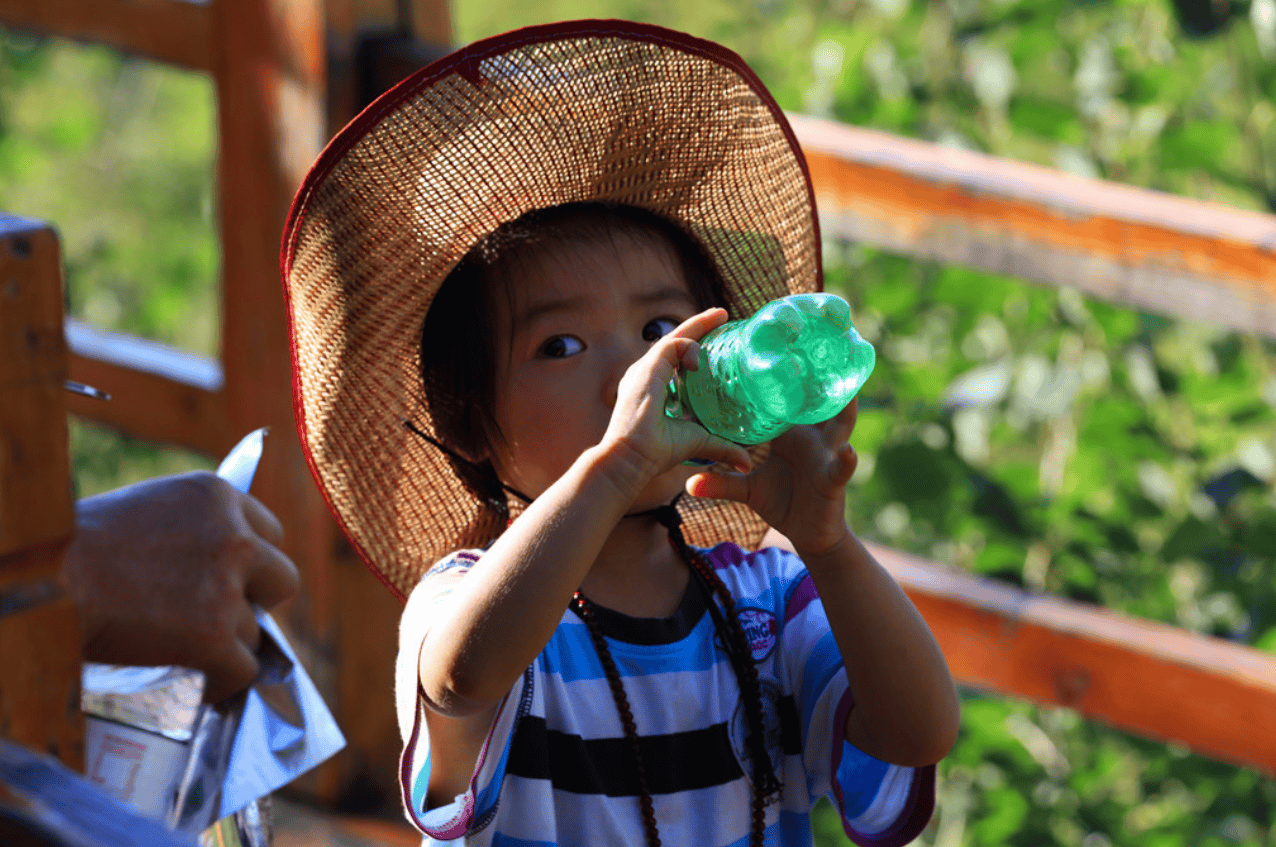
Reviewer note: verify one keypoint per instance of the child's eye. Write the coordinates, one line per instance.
(658, 328)
(561, 346)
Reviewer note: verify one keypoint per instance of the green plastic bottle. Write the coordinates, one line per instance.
(797, 360)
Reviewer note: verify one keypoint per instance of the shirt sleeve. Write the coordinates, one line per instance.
(881, 805)
(470, 810)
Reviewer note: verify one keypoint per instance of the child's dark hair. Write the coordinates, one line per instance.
(458, 373)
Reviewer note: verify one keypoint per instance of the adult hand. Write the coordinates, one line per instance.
(167, 571)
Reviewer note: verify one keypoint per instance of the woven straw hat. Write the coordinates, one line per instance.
(605, 111)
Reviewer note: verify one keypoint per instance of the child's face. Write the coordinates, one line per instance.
(577, 316)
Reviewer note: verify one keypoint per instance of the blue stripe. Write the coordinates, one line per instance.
(791, 828)
(491, 793)
(419, 786)
(795, 827)
(570, 655)
(500, 839)
(860, 776)
(822, 663)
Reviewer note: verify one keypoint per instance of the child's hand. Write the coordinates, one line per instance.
(638, 422)
(800, 489)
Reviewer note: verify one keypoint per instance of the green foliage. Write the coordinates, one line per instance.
(1030, 434)
(119, 155)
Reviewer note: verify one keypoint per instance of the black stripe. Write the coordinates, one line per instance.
(650, 631)
(681, 761)
(790, 725)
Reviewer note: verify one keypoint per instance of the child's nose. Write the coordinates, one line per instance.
(620, 359)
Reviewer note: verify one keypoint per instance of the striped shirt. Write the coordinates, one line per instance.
(555, 768)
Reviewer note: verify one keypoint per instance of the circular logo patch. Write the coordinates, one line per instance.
(760, 630)
(772, 735)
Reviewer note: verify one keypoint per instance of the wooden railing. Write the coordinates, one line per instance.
(1143, 249)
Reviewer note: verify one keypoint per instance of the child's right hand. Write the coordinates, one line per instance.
(639, 430)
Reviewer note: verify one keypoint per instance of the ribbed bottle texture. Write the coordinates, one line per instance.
(797, 360)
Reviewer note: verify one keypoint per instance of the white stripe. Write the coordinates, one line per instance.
(661, 703)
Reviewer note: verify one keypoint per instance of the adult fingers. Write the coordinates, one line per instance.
(231, 671)
(271, 577)
(261, 519)
(247, 632)
(228, 658)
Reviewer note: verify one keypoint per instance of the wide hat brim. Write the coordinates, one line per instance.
(607, 111)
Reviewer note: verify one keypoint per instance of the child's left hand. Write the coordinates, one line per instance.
(800, 490)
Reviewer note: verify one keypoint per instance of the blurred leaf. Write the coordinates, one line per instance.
(1006, 812)
(913, 473)
(1047, 119)
(1194, 538)
(1201, 145)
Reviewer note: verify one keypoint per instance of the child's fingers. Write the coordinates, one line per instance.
(679, 348)
(719, 485)
(697, 325)
(838, 429)
(842, 468)
(726, 454)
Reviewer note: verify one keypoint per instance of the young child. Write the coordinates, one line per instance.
(492, 274)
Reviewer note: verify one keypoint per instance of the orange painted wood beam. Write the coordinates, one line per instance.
(1144, 249)
(175, 32)
(1158, 681)
(158, 393)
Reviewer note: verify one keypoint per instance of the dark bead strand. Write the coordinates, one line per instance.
(586, 612)
(765, 785)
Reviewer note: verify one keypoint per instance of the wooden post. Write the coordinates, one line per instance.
(287, 76)
(270, 93)
(39, 632)
(372, 44)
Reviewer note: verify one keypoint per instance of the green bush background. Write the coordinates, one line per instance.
(1026, 433)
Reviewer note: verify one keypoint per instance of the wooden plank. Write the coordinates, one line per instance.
(40, 655)
(1136, 675)
(366, 640)
(270, 77)
(431, 21)
(158, 393)
(35, 494)
(39, 632)
(1148, 250)
(372, 44)
(172, 31)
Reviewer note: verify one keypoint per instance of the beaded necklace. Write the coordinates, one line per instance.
(765, 785)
